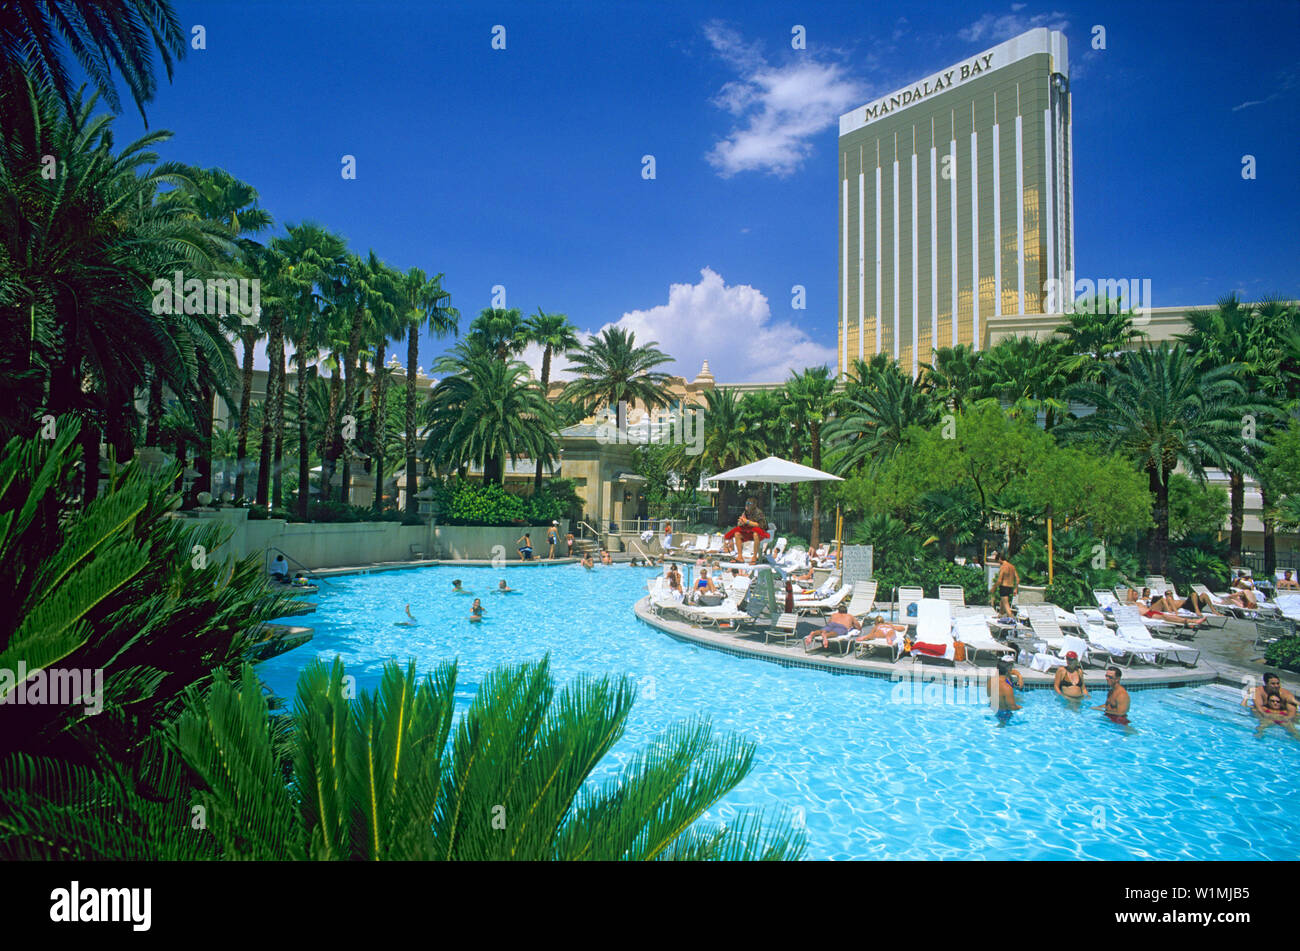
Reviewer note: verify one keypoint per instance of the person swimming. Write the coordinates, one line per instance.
(1002, 689)
(1117, 700)
(457, 589)
(503, 588)
(410, 621)
(586, 560)
(476, 610)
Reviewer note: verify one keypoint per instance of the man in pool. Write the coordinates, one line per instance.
(1008, 585)
(1272, 684)
(476, 611)
(1002, 688)
(1117, 700)
(504, 588)
(586, 560)
(840, 623)
(457, 589)
(605, 558)
(1069, 679)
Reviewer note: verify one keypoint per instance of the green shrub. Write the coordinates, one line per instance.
(485, 505)
(929, 573)
(1284, 653)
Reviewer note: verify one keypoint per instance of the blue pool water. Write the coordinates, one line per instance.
(867, 775)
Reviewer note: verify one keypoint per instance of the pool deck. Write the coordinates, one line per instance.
(1227, 656)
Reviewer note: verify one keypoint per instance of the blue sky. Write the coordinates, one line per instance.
(522, 167)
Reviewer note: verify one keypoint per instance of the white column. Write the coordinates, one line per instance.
(997, 216)
(1069, 179)
(916, 313)
(896, 296)
(880, 314)
(1048, 225)
(974, 242)
(844, 282)
(934, 246)
(1058, 149)
(1020, 216)
(952, 230)
(862, 252)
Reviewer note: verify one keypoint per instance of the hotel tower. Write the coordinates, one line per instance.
(956, 202)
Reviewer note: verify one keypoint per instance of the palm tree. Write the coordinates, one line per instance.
(80, 255)
(103, 36)
(313, 258)
(221, 198)
(271, 268)
(1160, 408)
(1030, 375)
(1100, 333)
(730, 440)
(1226, 336)
(612, 370)
(871, 420)
(554, 334)
(388, 320)
(810, 401)
(486, 411)
(503, 332)
(423, 304)
(954, 376)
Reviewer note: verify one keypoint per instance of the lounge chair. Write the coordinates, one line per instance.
(908, 596)
(715, 544)
(953, 594)
(1269, 632)
(972, 630)
(1045, 625)
(1104, 642)
(1147, 646)
(713, 616)
(1221, 603)
(863, 601)
(784, 628)
(1159, 586)
(826, 605)
(865, 646)
(933, 628)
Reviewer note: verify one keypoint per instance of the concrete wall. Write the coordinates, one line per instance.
(337, 545)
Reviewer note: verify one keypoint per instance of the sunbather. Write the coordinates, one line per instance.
(882, 630)
(703, 585)
(839, 625)
(1162, 609)
(1288, 582)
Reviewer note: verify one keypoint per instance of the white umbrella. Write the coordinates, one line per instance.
(773, 469)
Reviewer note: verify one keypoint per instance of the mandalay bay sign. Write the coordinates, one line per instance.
(1038, 40)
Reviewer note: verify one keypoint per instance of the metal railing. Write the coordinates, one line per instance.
(288, 557)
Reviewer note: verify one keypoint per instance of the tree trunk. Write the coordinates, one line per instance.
(378, 424)
(304, 455)
(272, 412)
(245, 406)
(203, 453)
(412, 355)
(350, 392)
(1237, 490)
(153, 414)
(90, 460)
(546, 379)
(277, 480)
(813, 535)
(332, 440)
(1270, 541)
(1158, 536)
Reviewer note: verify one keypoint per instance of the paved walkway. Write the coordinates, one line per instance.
(1227, 655)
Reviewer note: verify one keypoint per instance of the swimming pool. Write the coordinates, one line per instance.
(868, 775)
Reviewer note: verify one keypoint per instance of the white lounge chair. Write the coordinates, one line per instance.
(908, 596)
(713, 616)
(1105, 642)
(933, 626)
(784, 628)
(1147, 646)
(863, 601)
(953, 594)
(972, 630)
(825, 605)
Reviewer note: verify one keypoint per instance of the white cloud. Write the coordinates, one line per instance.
(995, 28)
(778, 109)
(730, 326)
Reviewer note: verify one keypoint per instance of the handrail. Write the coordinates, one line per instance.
(589, 528)
(288, 557)
(633, 544)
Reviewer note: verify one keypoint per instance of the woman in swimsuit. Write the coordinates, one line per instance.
(1069, 679)
(476, 611)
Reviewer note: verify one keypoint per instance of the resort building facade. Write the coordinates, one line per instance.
(956, 203)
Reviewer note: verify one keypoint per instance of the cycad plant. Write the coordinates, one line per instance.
(390, 775)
